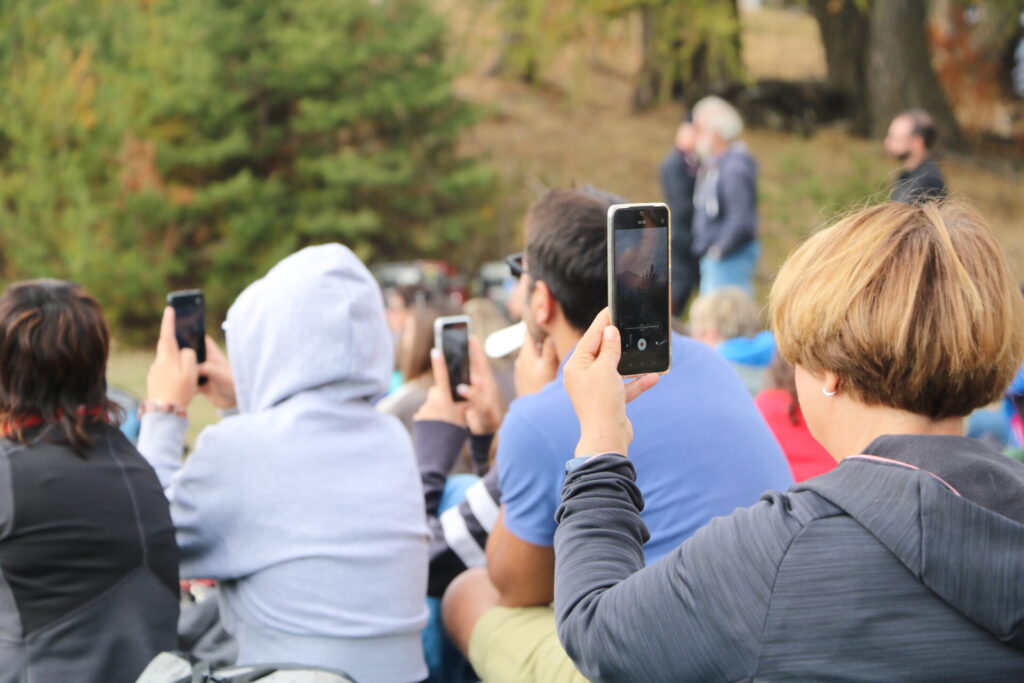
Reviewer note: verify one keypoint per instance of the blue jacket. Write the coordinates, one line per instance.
(725, 203)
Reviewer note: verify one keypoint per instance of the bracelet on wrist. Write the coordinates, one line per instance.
(161, 407)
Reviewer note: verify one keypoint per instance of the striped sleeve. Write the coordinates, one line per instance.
(459, 536)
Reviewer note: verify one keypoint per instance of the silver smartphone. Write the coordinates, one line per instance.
(451, 335)
(639, 285)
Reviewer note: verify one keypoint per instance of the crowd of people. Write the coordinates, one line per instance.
(793, 504)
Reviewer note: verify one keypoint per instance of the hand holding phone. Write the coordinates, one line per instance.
(451, 336)
(598, 394)
(172, 376)
(190, 322)
(639, 286)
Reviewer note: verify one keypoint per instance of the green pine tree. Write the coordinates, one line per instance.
(151, 145)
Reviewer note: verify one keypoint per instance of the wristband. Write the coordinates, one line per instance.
(160, 407)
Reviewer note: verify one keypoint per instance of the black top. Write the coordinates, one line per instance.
(919, 185)
(89, 587)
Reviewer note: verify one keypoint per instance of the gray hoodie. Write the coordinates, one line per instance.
(904, 565)
(307, 504)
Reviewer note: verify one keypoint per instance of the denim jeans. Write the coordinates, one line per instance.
(735, 269)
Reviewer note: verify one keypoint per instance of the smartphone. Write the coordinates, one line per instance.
(451, 335)
(190, 321)
(639, 285)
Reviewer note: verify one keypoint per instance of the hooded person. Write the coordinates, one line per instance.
(305, 504)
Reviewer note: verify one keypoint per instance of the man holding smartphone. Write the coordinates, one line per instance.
(701, 448)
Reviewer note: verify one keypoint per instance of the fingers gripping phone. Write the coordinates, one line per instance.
(190, 321)
(639, 285)
(451, 335)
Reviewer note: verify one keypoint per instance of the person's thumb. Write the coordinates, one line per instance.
(611, 347)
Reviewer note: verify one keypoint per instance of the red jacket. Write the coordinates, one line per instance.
(807, 458)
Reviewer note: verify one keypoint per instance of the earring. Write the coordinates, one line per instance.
(829, 393)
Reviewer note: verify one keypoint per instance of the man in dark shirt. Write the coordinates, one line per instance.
(678, 179)
(910, 139)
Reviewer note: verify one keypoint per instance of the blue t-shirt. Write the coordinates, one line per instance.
(700, 447)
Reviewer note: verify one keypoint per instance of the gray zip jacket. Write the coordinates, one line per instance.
(904, 565)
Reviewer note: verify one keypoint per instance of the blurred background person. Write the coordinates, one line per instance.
(780, 407)
(678, 180)
(729, 321)
(414, 342)
(725, 199)
(305, 502)
(89, 588)
(910, 140)
(400, 302)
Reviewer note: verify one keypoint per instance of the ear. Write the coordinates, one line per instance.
(543, 304)
(831, 382)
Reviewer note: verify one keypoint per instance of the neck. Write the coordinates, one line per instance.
(862, 424)
(915, 160)
(565, 337)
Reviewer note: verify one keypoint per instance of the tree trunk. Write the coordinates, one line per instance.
(661, 74)
(900, 74)
(845, 27)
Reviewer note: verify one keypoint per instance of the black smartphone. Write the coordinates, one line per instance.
(451, 335)
(190, 321)
(639, 285)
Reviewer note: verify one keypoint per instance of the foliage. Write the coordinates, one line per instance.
(684, 41)
(151, 145)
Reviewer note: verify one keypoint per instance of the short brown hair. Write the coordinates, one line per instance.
(567, 248)
(54, 343)
(913, 307)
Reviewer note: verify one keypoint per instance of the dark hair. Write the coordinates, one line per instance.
(924, 125)
(566, 247)
(782, 375)
(53, 360)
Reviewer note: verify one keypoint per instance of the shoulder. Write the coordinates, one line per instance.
(739, 160)
(538, 428)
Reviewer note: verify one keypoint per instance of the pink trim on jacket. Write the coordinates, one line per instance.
(905, 464)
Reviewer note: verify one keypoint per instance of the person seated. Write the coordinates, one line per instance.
(729, 320)
(306, 505)
(89, 588)
(461, 508)
(500, 615)
(903, 563)
(780, 408)
(414, 344)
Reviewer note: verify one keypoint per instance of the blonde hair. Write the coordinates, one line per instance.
(730, 312)
(913, 307)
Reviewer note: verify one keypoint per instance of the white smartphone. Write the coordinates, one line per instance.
(639, 285)
(451, 335)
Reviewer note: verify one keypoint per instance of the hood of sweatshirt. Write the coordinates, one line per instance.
(314, 321)
(952, 511)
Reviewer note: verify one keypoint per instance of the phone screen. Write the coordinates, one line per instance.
(455, 347)
(640, 308)
(190, 320)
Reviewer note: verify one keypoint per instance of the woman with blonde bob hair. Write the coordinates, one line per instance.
(904, 562)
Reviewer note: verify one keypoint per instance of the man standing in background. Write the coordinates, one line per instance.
(725, 200)
(910, 140)
(678, 180)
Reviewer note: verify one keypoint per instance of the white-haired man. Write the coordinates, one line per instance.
(725, 200)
